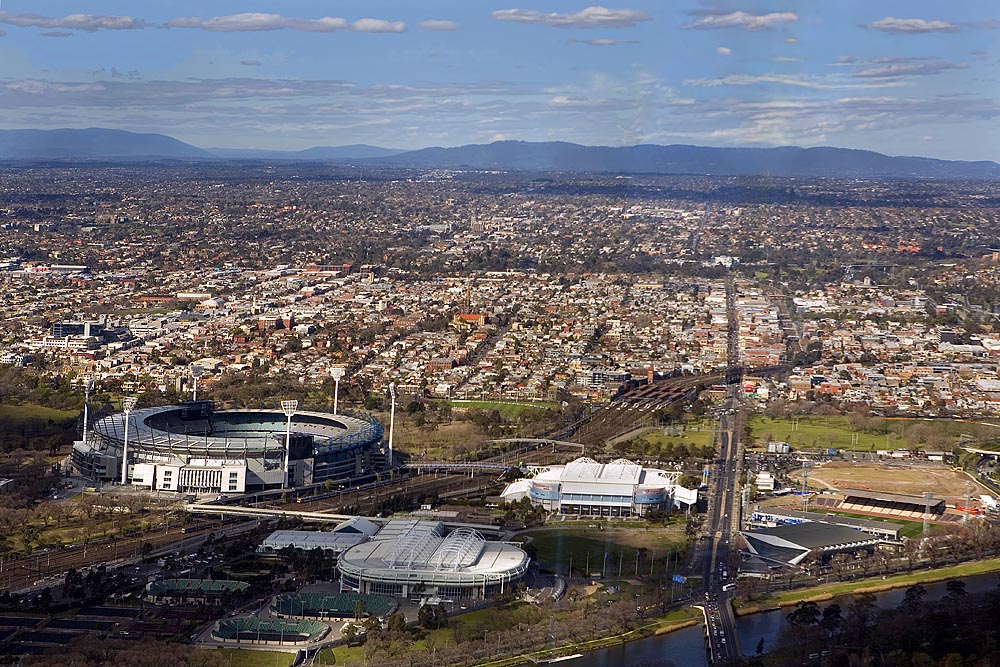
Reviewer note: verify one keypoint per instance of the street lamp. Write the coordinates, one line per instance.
(392, 418)
(88, 384)
(336, 373)
(128, 404)
(289, 408)
(196, 372)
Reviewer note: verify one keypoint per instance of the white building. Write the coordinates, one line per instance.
(586, 487)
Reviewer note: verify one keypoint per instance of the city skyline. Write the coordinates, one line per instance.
(900, 78)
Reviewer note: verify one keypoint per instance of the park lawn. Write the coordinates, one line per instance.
(700, 434)
(506, 409)
(587, 545)
(239, 657)
(31, 411)
(835, 431)
(877, 584)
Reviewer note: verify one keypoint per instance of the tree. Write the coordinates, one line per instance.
(805, 613)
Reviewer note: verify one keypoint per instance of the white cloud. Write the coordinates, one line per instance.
(378, 25)
(86, 22)
(724, 51)
(913, 26)
(448, 26)
(791, 40)
(257, 22)
(742, 20)
(603, 42)
(786, 59)
(781, 79)
(56, 33)
(250, 63)
(905, 67)
(590, 17)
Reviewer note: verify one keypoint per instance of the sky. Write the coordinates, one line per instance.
(913, 77)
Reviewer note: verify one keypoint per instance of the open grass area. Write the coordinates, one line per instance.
(874, 584)
(238, 657)
(588, 546)
(700, 434)
(508, 409)
(811, 432)
(28, 411)
(890, 477)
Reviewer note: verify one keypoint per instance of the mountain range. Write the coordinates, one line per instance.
(786, 161)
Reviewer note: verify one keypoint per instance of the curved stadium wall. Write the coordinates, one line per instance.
(193, 447)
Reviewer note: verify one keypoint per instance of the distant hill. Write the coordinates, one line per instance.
(352, 152)
(92, 143)
(684, 159)
(786, 161)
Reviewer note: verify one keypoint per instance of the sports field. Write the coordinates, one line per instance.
(891, 477)
(814, 432)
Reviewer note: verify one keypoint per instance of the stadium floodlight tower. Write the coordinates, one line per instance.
(337, 372)
(289, 408)
(196, 372)
(88, 384)
(392, 418)
(128, 405)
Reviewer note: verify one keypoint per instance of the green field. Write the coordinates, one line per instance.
(508, 409)
(835, 431)
(26, 412)
(700, 434)
(589, 546)
(237, 657)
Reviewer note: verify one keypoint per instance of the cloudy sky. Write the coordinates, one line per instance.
(913, 77)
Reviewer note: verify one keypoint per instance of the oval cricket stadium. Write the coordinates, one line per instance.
(191, 447)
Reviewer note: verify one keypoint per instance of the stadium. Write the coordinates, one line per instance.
(191, 447)
(586, 487)
(419, 559)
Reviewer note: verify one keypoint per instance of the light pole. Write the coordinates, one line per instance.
(88, 384)
(289, 408)
(392, 418)
(196, 372)
(128, 404)
(336, 373)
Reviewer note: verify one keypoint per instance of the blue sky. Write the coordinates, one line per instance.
(918, 77)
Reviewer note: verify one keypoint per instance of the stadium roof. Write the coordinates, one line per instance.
(588, 470)
(311, 539)
(812, 535)
(866, 525)
(404, 547)
(889, 497)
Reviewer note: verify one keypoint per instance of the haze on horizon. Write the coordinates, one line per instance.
(915, 77)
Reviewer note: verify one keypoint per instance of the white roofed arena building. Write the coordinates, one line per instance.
(421, 559)
(585, 487)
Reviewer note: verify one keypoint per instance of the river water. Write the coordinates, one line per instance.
(686, 648)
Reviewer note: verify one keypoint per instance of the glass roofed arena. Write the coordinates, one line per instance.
(193, 447)
(420, 559)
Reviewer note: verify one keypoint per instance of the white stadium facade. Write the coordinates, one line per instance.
(421, 559)
(585, 487)
(191, 447)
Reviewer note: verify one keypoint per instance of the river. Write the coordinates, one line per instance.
(686, 648)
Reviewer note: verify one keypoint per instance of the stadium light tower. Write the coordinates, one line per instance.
(196, 372)
(289, 408)
(128, 405)
(88, 384)
(337, 372)
(392, 417)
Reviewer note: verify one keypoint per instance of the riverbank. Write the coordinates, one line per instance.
(675, 620)
(878, 584)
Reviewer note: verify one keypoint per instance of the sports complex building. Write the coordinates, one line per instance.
(586, 487)
(420, 559)
(192, 447)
